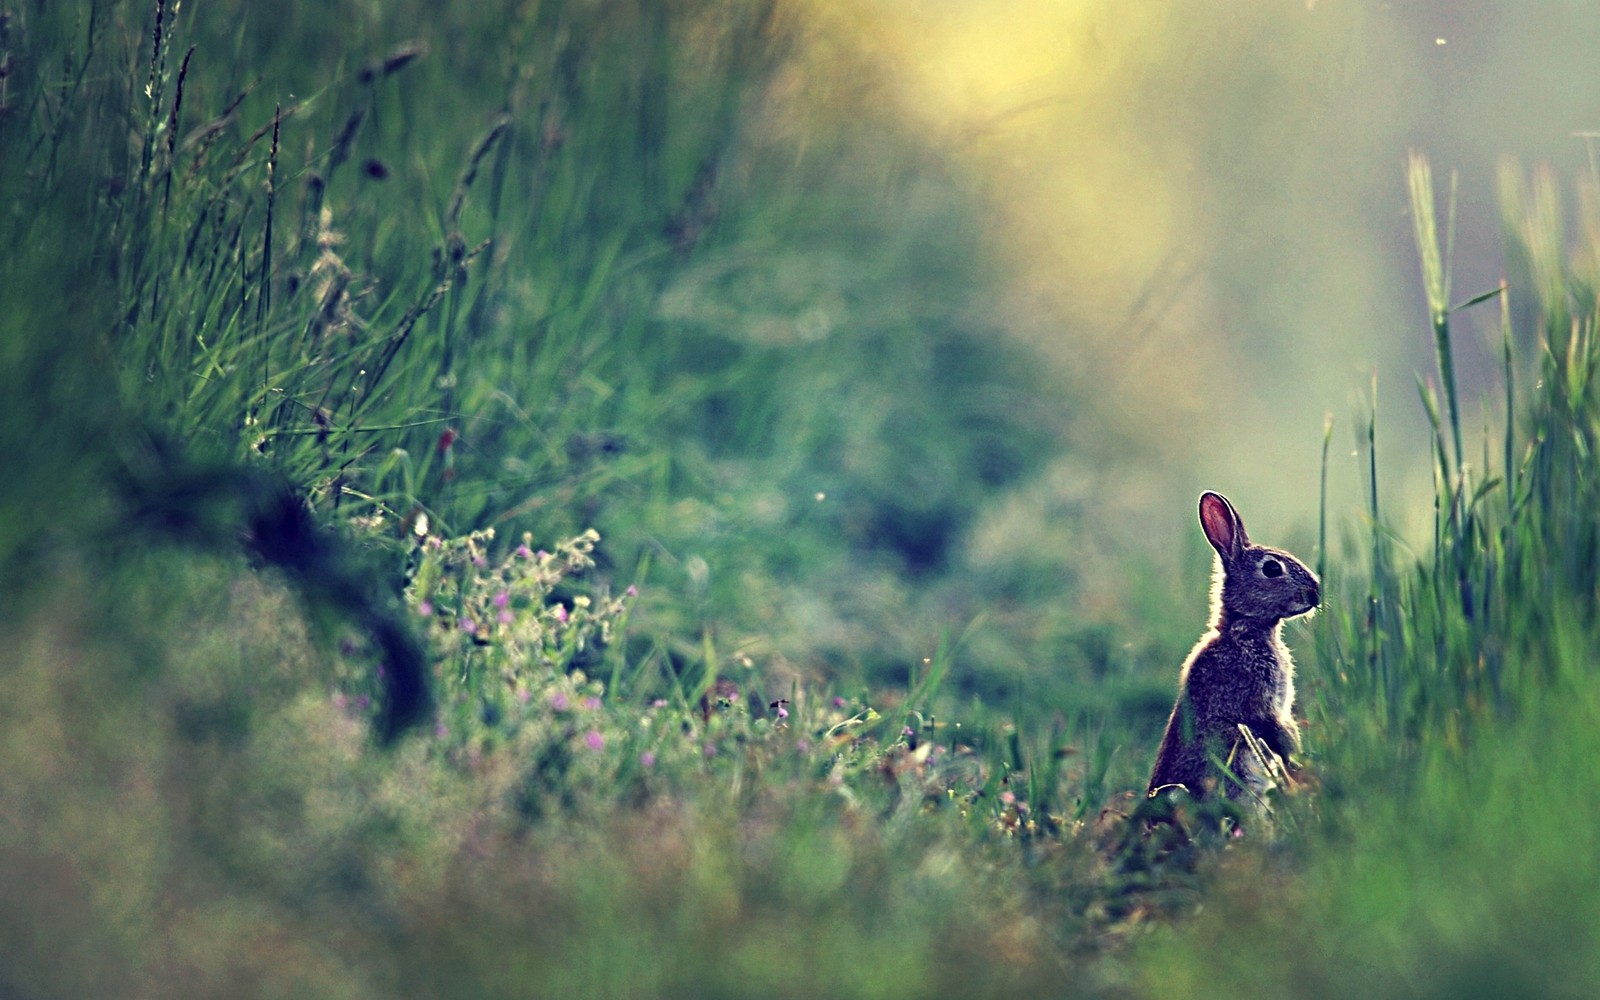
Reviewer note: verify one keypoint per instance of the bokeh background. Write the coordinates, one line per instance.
(1201, 208)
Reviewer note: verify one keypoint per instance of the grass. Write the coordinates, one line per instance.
(481, 287)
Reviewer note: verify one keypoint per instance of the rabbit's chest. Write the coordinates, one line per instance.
(1255, 671)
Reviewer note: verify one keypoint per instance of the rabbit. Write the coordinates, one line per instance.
(1232, 725)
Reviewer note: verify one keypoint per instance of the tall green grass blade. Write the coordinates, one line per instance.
(1436, 283)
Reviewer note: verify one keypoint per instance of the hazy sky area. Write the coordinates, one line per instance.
(1204, 203)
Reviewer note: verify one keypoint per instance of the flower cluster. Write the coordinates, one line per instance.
(511, 604)
(509, 634)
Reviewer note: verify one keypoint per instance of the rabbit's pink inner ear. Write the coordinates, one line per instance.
(1221, 524)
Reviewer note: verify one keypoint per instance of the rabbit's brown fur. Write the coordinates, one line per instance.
(1236, 689)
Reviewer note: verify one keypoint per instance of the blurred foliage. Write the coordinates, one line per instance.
(669, 271)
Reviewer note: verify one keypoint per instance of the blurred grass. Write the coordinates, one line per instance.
(559, 267)
(529, 269)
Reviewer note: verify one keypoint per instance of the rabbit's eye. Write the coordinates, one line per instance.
(1271, 568)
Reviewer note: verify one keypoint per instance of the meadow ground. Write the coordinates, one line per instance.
(521, 503)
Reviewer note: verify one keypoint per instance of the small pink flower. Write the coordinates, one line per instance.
(523, 694)
(659, 703)
(541, 555)
(559, 701)
(523, 552)
(561, 613)
(593, 740)
(783, 711)
(440, 731)
(502, 599)
(468, 626)
(802, 746)
(1008, 796)
(632, 591)
(506, 617)
(838, 702)
(425, 609)
(647, 759)
(591, 703)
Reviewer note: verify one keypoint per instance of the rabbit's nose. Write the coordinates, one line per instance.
(1313, 595)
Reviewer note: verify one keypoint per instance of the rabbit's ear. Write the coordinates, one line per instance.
(1223, 527)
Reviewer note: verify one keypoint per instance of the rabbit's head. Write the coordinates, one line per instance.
(1253, 582)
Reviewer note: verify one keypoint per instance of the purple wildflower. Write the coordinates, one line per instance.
(425, 609)
(632, 591)
(506, 617)
(591, 703)
(523, 552)
(468, 626)
(593, 740)
(560, 702)
(561, 613)
(647, 759)
(502, 599)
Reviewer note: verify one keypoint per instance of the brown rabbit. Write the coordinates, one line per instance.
(1232, 724)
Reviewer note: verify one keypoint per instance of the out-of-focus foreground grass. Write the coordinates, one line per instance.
(470, 284)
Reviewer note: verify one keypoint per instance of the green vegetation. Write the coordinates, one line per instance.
(621, 370)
